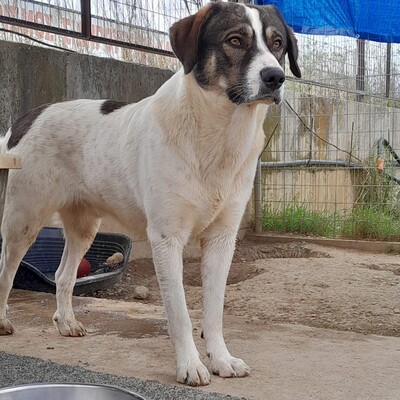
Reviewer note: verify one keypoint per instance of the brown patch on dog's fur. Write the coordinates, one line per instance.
(111, 105)
(21, 125)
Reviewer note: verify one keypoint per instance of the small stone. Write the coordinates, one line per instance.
(141, 292)
(396, 310)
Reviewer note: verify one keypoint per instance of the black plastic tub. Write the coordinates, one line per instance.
(40, 263)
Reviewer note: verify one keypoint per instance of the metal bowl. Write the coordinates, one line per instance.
(66, 391)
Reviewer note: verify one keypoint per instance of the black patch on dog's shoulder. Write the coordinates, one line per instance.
(22, 125)
(111, 105)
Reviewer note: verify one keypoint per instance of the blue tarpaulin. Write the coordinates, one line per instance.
(377, 20)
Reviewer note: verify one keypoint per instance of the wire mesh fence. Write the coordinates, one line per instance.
(61, 15)
(129, 30)
(330, 164)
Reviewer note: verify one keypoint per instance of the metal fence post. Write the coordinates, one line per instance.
(257, 198)
(86, 19)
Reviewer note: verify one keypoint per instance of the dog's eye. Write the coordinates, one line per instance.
(277, 44)
(235, 41)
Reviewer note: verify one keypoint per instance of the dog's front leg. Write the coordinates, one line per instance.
(218, 247)
(167, 258)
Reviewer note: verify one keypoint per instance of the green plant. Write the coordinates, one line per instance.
(375, 188)
(375, 215)
(298, 219)
(370, 222)
(363, 222)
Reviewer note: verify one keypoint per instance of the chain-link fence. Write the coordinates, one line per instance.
(330, 165)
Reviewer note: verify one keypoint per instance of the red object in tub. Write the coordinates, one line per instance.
(84, 268)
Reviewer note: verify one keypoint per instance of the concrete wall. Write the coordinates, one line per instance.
(350, 125)
(30, 76)
(328, 190)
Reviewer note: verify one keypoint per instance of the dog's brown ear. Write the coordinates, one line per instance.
(184, 37)
(293, 52)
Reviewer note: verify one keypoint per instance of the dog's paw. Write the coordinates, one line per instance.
(69, 328)
(6, 327)
(193, 373)
(229, 367)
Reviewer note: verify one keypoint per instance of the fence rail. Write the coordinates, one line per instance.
(81, 23)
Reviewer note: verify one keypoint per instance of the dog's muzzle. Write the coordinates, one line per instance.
(272, 80)
(270, 88)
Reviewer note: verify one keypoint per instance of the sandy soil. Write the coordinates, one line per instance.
(294, 283)
(279, 299)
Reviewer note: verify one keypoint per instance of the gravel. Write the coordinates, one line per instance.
(19, 370)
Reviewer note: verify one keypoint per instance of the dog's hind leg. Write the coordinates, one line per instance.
(80, 228)
(218, 245)
(19, 230)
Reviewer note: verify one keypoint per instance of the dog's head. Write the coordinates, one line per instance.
(237, 50)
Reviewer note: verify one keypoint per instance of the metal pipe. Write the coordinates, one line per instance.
(360, 78)
(311, 163)
(388, 65)
(257, 198)
(86, 19)
(78, 35)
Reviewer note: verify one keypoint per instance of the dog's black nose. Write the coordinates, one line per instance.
(272, 78)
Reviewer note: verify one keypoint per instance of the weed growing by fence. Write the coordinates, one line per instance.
(298, 219)
(364, 222)
(370, 222)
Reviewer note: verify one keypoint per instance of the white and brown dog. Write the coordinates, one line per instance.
(177, 165)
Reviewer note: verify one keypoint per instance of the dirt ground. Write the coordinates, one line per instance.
(277, 283)
(312, 322)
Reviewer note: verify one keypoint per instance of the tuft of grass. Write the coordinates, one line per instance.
(364, 222)
(375, 214)
(368, 222)
(298, 219)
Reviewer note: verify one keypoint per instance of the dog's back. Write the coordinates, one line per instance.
(67, 149)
